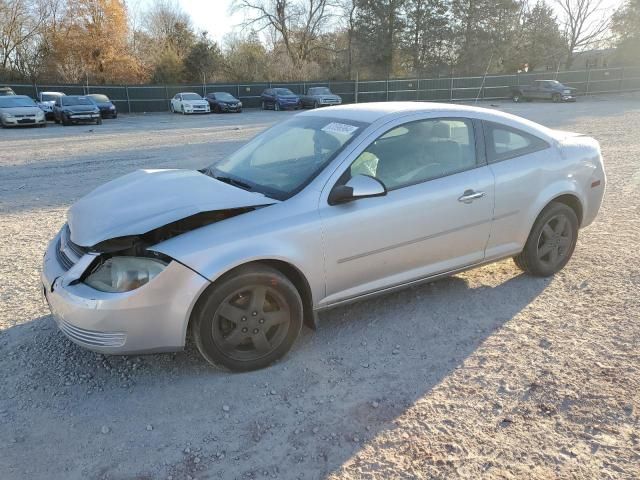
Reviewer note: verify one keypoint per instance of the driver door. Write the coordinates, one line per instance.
(435, 217)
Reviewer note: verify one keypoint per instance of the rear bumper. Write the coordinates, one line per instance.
(152, 318)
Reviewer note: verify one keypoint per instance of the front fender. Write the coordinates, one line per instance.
(277, 232)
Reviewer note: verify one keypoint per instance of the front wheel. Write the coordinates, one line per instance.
(99, 121)
(556, 98)
(276, 107)
(516, 97)
(551, 242)
(173, 110)
(263, 106)
(248, 320)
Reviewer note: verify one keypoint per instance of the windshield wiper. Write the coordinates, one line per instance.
(234, 182)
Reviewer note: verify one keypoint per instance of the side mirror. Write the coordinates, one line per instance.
(359, 186)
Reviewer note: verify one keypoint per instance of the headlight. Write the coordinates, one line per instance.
(240, 104)
(40, 114)
(8, 115)
(123, 274)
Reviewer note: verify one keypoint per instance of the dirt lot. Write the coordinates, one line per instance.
(489, 374)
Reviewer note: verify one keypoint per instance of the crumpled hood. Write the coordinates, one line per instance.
(147, 199)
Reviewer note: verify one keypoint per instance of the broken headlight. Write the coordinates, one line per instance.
(123, 274)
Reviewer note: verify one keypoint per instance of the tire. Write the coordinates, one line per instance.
(43, 125)
(216, 109)
(55, 120)
(276, 106)
(263, 106)
(232, 298)
(239, 110)
(516, 98)
(551, 241)
(99, 121)
(115, 115)
(65, 121)
(555, 98)
(173, 110)
(315, 104)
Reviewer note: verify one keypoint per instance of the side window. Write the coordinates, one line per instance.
(505, 142)
(419, 151)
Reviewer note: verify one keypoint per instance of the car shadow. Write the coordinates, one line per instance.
(311, 412)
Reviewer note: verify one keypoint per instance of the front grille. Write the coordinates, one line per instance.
(91, 337)
(67, 252)
(62, 257)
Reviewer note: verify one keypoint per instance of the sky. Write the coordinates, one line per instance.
(210, 15)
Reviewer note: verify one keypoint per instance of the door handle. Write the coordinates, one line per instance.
(469, 196)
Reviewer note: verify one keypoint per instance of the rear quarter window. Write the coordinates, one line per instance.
(503, 142)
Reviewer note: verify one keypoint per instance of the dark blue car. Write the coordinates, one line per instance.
(106, 106)
(223, 102)
(280, 99)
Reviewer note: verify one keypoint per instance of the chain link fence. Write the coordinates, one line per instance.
(155, 98)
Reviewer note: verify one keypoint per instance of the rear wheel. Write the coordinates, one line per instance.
(248, 320)
(551, 242)
(516, 97)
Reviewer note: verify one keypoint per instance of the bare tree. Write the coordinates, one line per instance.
(297, 23)
(21, 22)
(585, 23)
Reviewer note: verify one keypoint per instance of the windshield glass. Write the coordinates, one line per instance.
(100, 98)
(285, 158)
(283, 91)
(71, 101)
(227, 97)
(319, 91)
(51, 97)
(11, 101)
(191, 96)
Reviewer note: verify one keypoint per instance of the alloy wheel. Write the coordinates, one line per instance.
(555, 240)
(251, 323)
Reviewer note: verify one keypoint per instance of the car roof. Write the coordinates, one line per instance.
(387, 111)
(54, 93)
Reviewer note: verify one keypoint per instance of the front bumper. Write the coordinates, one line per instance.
(152, 318)
(108, 112)
(568, 98)
(22, 121)
(83, 117)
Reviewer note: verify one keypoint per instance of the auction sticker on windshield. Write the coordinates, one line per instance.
(343, 128)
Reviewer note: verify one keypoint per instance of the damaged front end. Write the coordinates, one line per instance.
(125, 263)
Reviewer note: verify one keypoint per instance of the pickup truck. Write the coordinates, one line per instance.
(543, 89)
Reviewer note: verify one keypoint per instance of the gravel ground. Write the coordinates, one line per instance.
(488, 374)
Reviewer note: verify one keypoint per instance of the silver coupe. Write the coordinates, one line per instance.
(328, 207)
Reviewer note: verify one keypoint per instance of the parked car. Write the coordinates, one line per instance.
(319, 97)
(17, 110)
(46, 100)
(280, 99)
(544, 89)
(70, 109)
(188, 102)
(106, 106)
(328, 207)
(5, 91)
(220, 102)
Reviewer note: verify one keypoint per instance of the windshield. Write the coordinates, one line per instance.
(71, 101)
(319, 91)
(191, 96)
(283, 91)
(51, 97)
(225, 96)
(285, 158)
(100, 98)
(11, 101)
